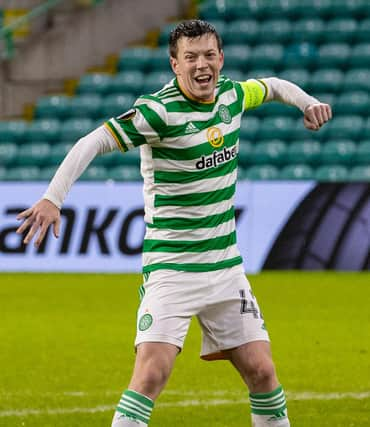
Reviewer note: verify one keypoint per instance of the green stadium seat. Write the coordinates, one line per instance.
(339, 152)
(353, 103)
(58, 152)
(115, 105)
(300, 133)
(8, 154)
(278, 127)
(276, 30)
(332, 173)
(340, 30)
(73, 129)
(108, 159)
(129, 81)
(55, 106)
(360, 55)
(357, 79)
(156, 80)
(85, 106)
(300, 55)
(267, 55)
(277, 109)
(363, 31)
(307, 152)
(43, 130)
(3, 173)
(262, 173)
(326, 80)
(259, 73)
(241, 32)
(160, 60)
(348, 127)
(95, 173)
(210, 10)
(130, 158)
(249, 127)
(362, 156)
(47, 173)
(33, 154)
(165, 32)
(269, 152)
(299, 76)
(125, 173)
(95, 83)
(135, 58)
(365, 134)
(245, 152)
(308, 30)
(357, 8)
(234, 74)
(23, 173)
(301, 8)
(13, 131)
(360, 173)
(328, 98)
(334, 55)
(296, 172)
(237, 56)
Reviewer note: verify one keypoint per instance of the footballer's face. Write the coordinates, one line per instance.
(197, 66)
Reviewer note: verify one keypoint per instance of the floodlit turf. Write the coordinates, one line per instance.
(66, 353)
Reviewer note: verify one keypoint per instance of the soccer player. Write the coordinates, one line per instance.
(188, 137)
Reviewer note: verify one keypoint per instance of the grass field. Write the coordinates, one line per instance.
(66, 352)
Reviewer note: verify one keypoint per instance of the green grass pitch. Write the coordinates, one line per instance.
(66, 352)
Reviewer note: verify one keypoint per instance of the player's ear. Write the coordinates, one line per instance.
(222, 58)
(174, 64)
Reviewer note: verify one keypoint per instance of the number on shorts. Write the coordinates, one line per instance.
(247, 306)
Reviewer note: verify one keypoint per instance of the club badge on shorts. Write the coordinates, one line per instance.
(145, 322)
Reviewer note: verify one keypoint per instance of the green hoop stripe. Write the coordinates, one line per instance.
(153, 119)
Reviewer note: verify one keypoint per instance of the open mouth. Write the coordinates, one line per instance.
(203, 79)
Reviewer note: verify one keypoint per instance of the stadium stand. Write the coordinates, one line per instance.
(322, 46)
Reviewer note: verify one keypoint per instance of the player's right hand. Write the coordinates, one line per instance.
(37, 219)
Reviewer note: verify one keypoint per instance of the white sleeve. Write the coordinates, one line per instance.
(288, 93)
(81, 155)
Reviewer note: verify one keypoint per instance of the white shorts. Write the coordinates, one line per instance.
(222, 300)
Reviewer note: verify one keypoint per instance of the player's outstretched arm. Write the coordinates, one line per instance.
(38, 219)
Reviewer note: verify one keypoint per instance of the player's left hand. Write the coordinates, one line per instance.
(316, 115)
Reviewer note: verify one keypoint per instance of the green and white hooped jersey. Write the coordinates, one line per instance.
(189, 156)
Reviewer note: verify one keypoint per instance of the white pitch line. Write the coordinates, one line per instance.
(185, 403)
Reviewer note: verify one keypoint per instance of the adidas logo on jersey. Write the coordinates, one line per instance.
(191, 128)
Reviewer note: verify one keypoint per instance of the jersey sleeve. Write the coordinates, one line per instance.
(145, 123)
(255, 93)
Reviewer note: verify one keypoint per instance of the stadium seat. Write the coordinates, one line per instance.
(13, 131)
(348, 127)
(95, 83)
(259, 73)
(36, 154)
(363, 31)
(159, 60)
(135, 58)
(278, 127)
(55, 106)
(365, 135)
(165, 32)
(114, 105)
(23, 173)
(299, 76)
(210, 10)
(234, 74)
(8, 153)
(277, 109)
(340, 30)
(43, 130)
(297, 9)
(275, 30)
(156, 80)
(245, 152)
(326, 80)
(332, 173)
(357, 79)
(339, 152)
(237, 56)
(95, 173)
(125, 173)
(334, 55)
(307, 152)
(300, 55)
(108, 159)
(242, 32)
(262, 172)
(269, 152)
(362, 155)
(47, 173)
(353, 103)
(296, 172)
(129, 81)
(360, 55)
(360, 173)
(73, 129)
(308, 30)
(220, 27)
(58, 152)
(249, 127)
(85, 106)
(3, 173)
(130, 158)
(267, 55)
